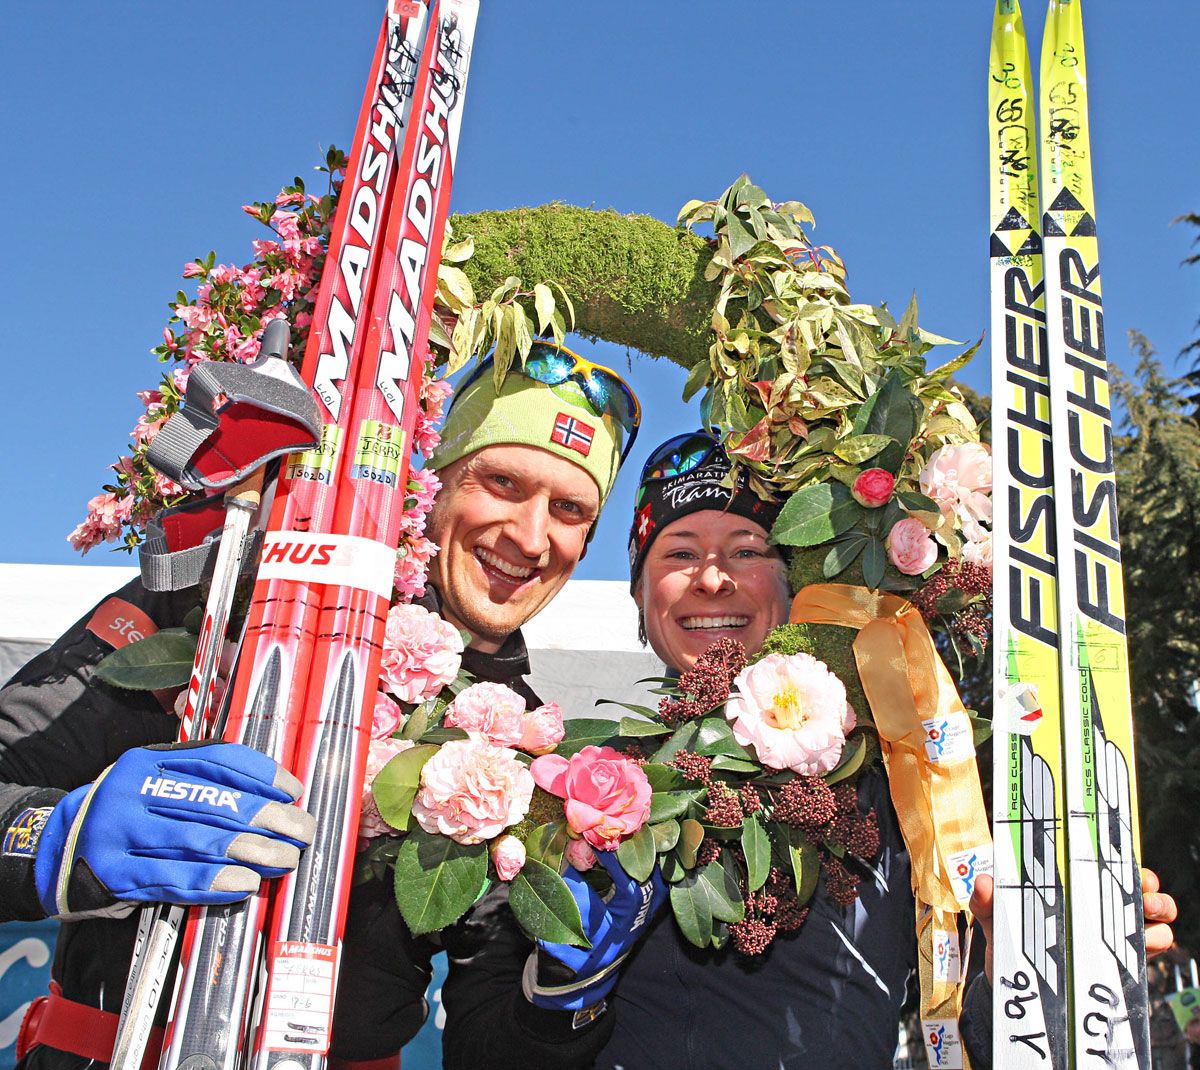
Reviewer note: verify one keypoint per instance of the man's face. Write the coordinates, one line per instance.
(710, 575)
(511, 523)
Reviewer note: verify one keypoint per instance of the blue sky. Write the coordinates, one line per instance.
(134, 132)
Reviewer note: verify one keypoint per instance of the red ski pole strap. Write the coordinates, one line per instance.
(82, 1030)
(180, 542)
(235, 418)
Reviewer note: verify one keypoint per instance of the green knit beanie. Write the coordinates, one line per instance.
(559, 419)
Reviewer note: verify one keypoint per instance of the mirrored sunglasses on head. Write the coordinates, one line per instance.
(606, 392)
(680, 455)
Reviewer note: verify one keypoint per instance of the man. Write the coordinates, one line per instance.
(525, 470)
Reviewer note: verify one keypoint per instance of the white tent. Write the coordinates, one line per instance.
(582, 647)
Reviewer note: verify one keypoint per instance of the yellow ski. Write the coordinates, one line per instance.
(1107, 961)
(1030, 1008)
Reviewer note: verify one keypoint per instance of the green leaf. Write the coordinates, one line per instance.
(715, 736)
(851, 761)
(857, 448)
(666, 835)
(506, 340)
(640, 729)
(668, 804)
(544, 906)
(726, 763)
(916, 502)
(697, 379)
(547, 843)
(397, 783)
(662, 777)
(161, 660)
(636, 854)
(683, 739)
(691, 835)
(815, 514)
(891, 412)
(756, 846)
(580, 732)
(671, 868)
(443, 735)
(874, 561)
(633, 707)
(805, 861)
(719, 881)
(741, 238)
(543, 304)
(417, 723)
(843, 553)
(693, 912)
(437, 879)
(951, 366)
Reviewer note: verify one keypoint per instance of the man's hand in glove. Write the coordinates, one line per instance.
(563, 977)
(194, 823)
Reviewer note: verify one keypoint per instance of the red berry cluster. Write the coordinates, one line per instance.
(840, 883)
(806, 802)
(706, 685)
(708, 851)
(850, 827)
(752, 936)
(750, 799)
(971, 582)
(790, 912)
(724, 808)
(695, 767)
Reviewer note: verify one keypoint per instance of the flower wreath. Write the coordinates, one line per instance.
(820, 398)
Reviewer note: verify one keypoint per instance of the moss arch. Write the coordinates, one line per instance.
(634, 280)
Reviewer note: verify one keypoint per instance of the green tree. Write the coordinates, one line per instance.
(1158, 472)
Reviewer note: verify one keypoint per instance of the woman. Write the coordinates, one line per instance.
(702, 569)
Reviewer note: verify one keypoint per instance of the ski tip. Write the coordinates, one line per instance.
(276, 338)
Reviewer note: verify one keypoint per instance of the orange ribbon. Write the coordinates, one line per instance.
(924, 735)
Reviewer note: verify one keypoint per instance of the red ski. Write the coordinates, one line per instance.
(308, 913)
(208, 1024)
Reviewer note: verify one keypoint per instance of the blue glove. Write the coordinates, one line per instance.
(195, 823)
(566, 978)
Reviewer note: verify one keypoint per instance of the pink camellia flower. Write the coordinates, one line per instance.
(495, 711)
(910, 546)
(792, 712)
(959, 479)
(508, 856)
(386, 717)
(543, 729)
(607, 795)
(472, 790)
(412, 565)
(579, 854)
(873, 488)
(379, 753)
(979, 551)
(421, 653)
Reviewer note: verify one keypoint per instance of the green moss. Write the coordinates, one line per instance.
(633, 280)
(787, 639)
(543, 808)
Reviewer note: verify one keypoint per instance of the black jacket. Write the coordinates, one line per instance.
(59, 728)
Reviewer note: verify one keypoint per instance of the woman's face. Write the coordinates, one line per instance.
(708, 576)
